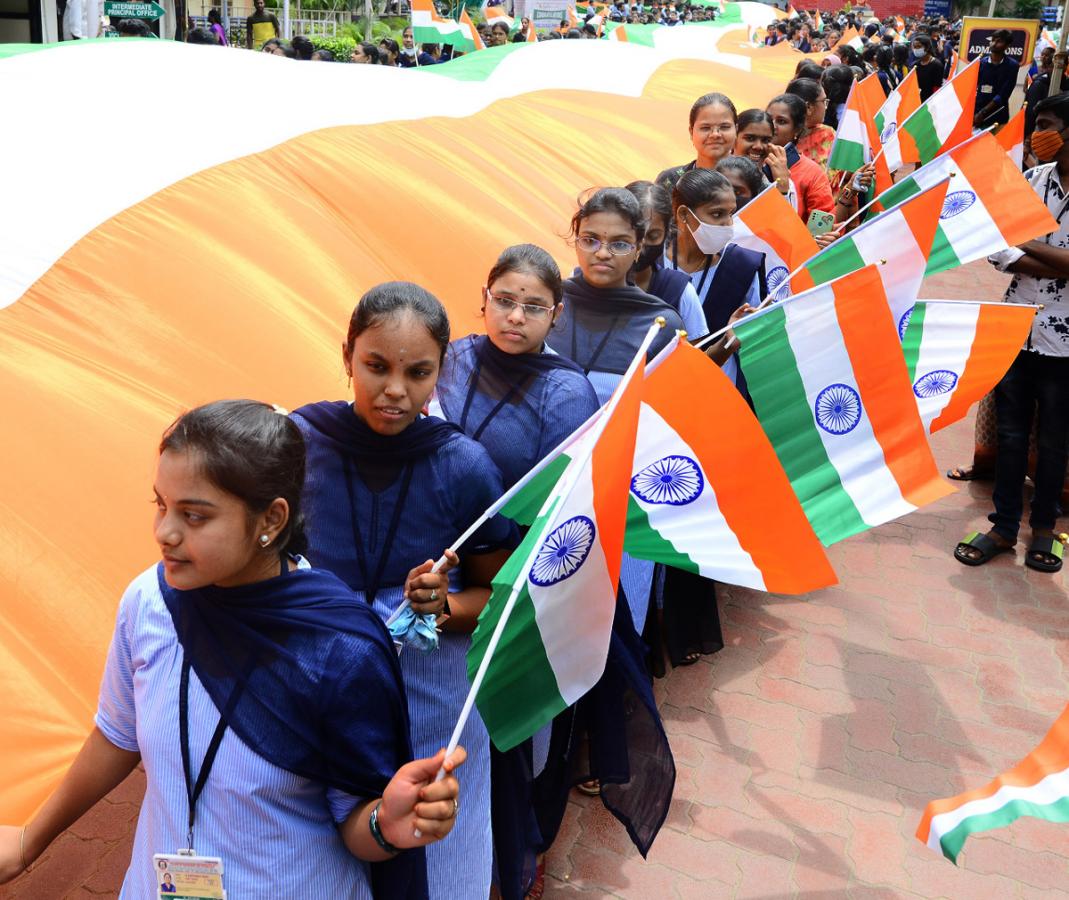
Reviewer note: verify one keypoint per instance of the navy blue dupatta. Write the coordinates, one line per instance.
(307, 677)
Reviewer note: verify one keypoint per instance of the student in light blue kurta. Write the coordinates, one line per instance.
(388, 489)
(234, 642)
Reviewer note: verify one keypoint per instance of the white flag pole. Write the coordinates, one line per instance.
(572, 476)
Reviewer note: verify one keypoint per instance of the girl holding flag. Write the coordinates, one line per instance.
(788, 114)
(236, 664)
(387, 488)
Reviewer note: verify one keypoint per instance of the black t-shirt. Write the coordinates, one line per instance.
(929, 77)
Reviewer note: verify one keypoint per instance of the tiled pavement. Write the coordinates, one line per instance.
(807, 749)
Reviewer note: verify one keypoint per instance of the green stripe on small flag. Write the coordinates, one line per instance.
(911, 342)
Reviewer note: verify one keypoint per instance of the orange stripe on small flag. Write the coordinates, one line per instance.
(922, 215)
(1000, 333)
(612, 460)
(871, 341)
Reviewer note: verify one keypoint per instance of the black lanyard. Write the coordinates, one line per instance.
(193, 790)
(371, 585)
(473, 390)
(705, 270)
(597, 350)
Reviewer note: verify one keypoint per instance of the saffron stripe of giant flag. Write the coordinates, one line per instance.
(230, 266)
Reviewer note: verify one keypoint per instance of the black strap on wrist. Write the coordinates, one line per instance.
(376, 832)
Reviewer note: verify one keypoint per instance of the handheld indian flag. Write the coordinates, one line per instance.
(1011, 137)
(902, 236)
(900, 25)
(943, 121)
(830, 388)
(688, 508)
(1037, 786)
(573, 19)
(542, 640)
(532, 36)
(902, 102)
(496, 14)
(476, 38)
(957, 350)
(989, 206)
(430, 28)
(766, 224)
(856, 139)
(619, 33)
(818, 23)
(851, 38)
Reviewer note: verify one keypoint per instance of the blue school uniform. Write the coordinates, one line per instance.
(519, 407)
(376, 507)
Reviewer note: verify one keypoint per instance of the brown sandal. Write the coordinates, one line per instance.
(591, 788)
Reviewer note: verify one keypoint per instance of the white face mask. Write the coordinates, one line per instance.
(711, 239)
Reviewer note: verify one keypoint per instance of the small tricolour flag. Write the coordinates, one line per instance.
(542, 640)
(958, 350)
(619, 33)
(989, 205)
(476, 38)
(1011, 137)
(768, 225)
(689, 509)
(428, 27)
(900, 104)
(830, 388)
(901, 237)
(1037, 786)
(495, 14)
(943, 121)
(857, 139)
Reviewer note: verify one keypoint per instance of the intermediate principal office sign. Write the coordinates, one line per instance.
(549, 18)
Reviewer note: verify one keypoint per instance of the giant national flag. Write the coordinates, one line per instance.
(902, 102)
(766, 224)
(259, 202)
(989, 205)
(900, 239)
(1037, 786)
(943, 121)
(830, 388)
(689, 509)
(957, 350)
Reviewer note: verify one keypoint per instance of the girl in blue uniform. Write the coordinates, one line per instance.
(520, 400)
(506, 389)
(387, 488)
(263, 699)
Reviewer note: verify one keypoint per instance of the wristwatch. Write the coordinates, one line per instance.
(783, 183)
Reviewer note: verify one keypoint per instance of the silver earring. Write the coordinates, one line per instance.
(264, 540)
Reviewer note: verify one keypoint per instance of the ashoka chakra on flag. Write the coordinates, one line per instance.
(903, 323)
(939, 381)
(673, 480)
(563, 551)
(956, 203)
(838, 409)
(888, 132)
(776, 277)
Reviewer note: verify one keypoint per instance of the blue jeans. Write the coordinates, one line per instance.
(1034, 384)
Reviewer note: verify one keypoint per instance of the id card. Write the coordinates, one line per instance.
(181, 876)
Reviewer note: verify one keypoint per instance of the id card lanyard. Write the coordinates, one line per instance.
(194, 789)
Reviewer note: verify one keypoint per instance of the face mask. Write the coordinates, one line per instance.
(1046, 144)
(711, 239)
(649, 254)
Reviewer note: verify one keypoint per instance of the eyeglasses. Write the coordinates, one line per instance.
(719, 129)
(593, 245)
(507, 305)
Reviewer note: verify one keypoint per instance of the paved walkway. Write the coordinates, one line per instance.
(807, 748)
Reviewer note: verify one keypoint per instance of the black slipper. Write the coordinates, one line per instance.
(987, 547)
(1049, 550)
